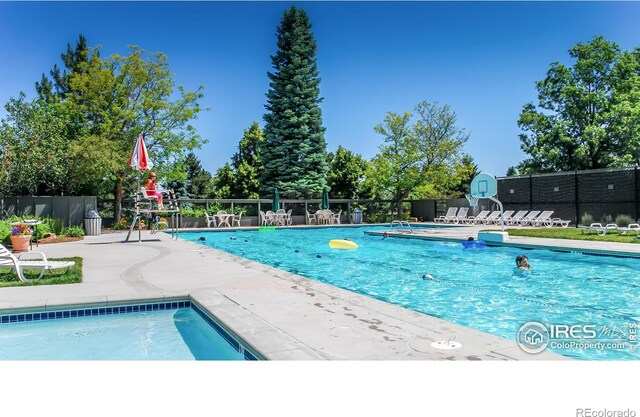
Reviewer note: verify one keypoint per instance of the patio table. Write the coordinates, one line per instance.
(224, 219)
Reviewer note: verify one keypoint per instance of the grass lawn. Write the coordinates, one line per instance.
(8, 277)
(572, 233)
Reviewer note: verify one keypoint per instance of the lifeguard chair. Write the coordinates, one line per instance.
(146, 206)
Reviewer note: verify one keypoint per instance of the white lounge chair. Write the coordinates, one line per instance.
(491, 218)
(557, 221)
(210, 219)
(598, 228)
(544, 219)
(526, 220)
(477, 219)
(633, 227)
(461, 217)
(507, 215)
(18, 264)
(451, 215)
(517, 217)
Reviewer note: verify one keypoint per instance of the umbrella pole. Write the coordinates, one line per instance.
(138, 206)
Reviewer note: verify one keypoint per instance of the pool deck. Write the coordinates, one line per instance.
(282, 315)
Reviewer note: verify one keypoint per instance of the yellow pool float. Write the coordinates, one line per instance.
(342, 244)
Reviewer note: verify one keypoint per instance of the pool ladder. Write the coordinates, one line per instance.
(402, 224)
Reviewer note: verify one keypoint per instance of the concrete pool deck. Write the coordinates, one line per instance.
(282, 315)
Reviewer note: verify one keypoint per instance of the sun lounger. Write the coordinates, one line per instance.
(556, 221)
(478, 219)
(461, 217)
(544, 219)
(506, 215)
(491, 219)
(18, 264)
(633, 228)
(529, 218)
(598, 228)
(451, 215)
(516, 218)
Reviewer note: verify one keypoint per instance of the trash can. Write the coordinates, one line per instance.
(357, 216)
(92, 223)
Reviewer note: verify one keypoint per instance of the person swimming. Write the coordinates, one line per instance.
(523, 262)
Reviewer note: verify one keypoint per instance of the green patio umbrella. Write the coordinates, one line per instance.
(325, 199)
(276, 200)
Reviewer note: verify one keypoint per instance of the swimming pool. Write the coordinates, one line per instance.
(478, 288)
(156, 331)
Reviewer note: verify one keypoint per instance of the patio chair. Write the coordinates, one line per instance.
(287, 219)
(529, 218)
(263, 218)
(597, 228)
(517, 217)
(271, 218)
(210, 219)
(335, 217)
(544, 219)
(477, 219)
(451, 215)
(236, 219)
(18, 264)
(309, 218)
(633, 227)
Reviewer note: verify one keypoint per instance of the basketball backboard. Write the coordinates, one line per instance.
(484, 185)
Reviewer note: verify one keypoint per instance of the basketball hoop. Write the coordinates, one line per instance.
(473, 201)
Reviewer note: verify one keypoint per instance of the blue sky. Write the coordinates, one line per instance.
(481, 58)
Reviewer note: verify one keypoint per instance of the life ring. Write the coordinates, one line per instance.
(342, 244)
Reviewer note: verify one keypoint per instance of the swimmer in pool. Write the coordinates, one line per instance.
(523, 262)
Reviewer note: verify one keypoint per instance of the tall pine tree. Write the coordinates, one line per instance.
(294, 149)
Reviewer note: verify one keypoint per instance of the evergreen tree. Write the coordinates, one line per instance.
(198, 179)
(73, 60)
(294, 150)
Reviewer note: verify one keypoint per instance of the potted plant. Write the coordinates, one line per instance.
(20, 238)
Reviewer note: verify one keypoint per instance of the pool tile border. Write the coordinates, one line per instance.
(133, 308)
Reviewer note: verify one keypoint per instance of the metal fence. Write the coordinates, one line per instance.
(192, 210)
(70, 210)
(599, 193)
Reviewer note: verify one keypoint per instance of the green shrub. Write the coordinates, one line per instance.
(606, 219)
(55, 226)
(74, 231)
(623, 220)
(586, 219)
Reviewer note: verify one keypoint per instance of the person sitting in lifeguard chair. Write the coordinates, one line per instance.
(151, 190)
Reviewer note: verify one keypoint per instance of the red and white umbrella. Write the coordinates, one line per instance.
(139, 157)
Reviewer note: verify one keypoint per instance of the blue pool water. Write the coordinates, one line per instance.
(478, 288)
(178, 334)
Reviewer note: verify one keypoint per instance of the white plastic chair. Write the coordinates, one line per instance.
(210, 219)
(310, 218)
(335, 218)
(236, 219)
